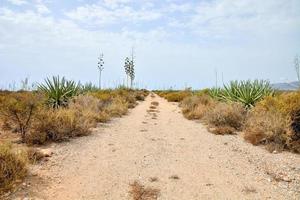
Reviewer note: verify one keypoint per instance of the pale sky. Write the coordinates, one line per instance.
(177, 43)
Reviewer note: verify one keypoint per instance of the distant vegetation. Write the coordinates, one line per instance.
(264, 116)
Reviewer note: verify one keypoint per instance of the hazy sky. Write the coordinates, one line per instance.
(177, 43)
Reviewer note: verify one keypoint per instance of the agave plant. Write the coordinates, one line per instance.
(245, 92)
(88, 87)
(59, 91)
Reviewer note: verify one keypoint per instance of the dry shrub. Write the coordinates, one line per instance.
(34, 155)
(152, 107)
(223, 130)
(141, 95)
(58, 125)
(91, 107)
(177, 96)
(195, 107)
(117, 107)
(154, 103)
(17, 111)
(275, 121)
(12, 167)
(272, 129)
(139, 192)
(227, 114)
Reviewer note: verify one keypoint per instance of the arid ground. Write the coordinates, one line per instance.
(170, 156)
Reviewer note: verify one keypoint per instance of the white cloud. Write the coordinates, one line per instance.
(226, 18)
(18, 2)
(42, 9)
(96, 14)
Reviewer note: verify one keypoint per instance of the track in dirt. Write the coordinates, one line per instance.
(160, 149)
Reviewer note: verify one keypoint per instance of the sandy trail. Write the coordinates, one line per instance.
(137, 147)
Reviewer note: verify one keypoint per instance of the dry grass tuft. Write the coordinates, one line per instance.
(176, 96)
(34, 155)
(267, 127)
(223, 130)
(174, 177)
(139, 192)
(59, 125)
(154, 103)
(249, 190)
(196, 107)
(153, 179)
(227, 115)
(152, 111)
(12, 167)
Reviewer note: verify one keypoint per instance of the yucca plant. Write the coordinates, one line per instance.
(245, 92)
(59, 91)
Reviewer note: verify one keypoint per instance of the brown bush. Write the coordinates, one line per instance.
(58, 125)
(227, 115)
(90, 107)
(154, 103)
(280, 119)
(34, 155)
(139, 192)
(12, 167)
(117, 107)
(270, 128)
(17, 110)
(177, 96)
(223, 130)
(195, 107)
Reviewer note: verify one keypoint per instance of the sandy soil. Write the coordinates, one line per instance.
(187, 161)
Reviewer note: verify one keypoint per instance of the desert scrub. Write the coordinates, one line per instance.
(267, 127)
(17, 110)
(227, 117)
(12, 167)
(117, 107)
(91, 107)
(195, 107)
(58, 125)
(177, 96)
(275, 122)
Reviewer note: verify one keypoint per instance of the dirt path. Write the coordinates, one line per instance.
(187, 161)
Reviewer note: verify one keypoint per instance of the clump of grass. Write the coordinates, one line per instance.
(153, 179)
(59, 125)
(176, 96)
(154, 103)
(195, 107)
(34, 155)
(12, 167)
(223, 130)
(91, 107)
(174, 177)
(152, 107)
(140, 192)
(226, 117)
(275, 122)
